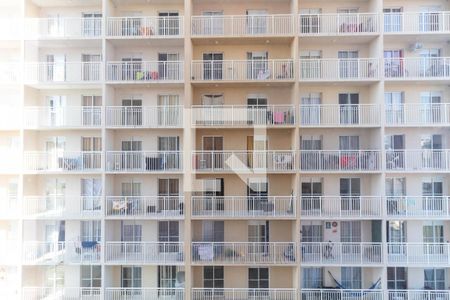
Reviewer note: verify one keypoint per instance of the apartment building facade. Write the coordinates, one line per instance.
(203, 149)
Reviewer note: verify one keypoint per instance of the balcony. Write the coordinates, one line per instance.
(51, 253)
(243, 116)
(340, 160)
(243, 26)
(278, 253)
(8, 252)
(335, 294)
(144, 161)
(243, 293)
(157, 253)
(244, 161)
(339, 24)
(37, 117)
(145, 27)
(418, 206)
(10, 73)
(361, 69)
(418, 294)
(422, 160)
(144, 116)
(158, 207)
(337, 253)
(10, 207)
(417, 68)
(418, 253)
(337, 115)
(11, 28)
(144, 293)
(145, 72)
(61, 206)
(243, 207)
(417, 22)
(341, 207)
(10, 117)
(10, 161)
(66, 72)
(63, 28)
(62, 293)
(276, 70)
(418, 114)
(64, 161)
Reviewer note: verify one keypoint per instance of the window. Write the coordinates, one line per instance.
(131, 277)
(351, 231)
(91, 276)
(351, 277)
(258, 278)
(396, 278)
(350, 191)
(309, 20)
(91, 110)
(167, 276)
(169, 23)
(310, 108)
(92, 24)
(212, 66)
(213, 231)
(393, 19)
(131, 111)
(433, 232)
(256, 21)
(312, 233)
(168, 113)
(311, 196)
(395, 155)
(168, 193)
(91, 231)
(168, 67)
(395, 193)
(213, 277)
(348, 64)
(168, 233)
(257, 65)
(430, 109)
(91, 147)
(91, 191)
(54, 276)
(394, 107)
(310, 64)
(257, 193)
(349, 108)
(312, 278)
(434, 279)
(258, 236)
(432, 190)
(214, 25)
(430, 18)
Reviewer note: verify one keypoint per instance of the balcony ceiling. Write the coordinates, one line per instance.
(60, 3)
(126, 2)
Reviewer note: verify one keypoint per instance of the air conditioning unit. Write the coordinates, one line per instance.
(415, 47)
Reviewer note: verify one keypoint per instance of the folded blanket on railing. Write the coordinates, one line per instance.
(89, 244)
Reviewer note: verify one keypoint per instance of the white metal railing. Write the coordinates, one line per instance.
(334, 294)
(242, 70)
(333, 69)
(10, 206)
(244, 252)
(418, 114)
(145, 71)
(145, 206)
(67, 161)
(340, 115)
(270, 160)
(341, 253)
(417, 160)
(418, 294)
(10, 72)
(10, 28)
(339, 24)
(144, 116)
(418, 206)
(10, 116)
(10, 160)
(144, 252)
(8, 252)
(417, 68)
(51, 206)
(243, 206)
(63, 293)
(70, 116)
(341, 206)
(418, 253)
(82, 252)
(70, 72)
(63, 27)
(340, 160)
(144, 161)
(144, 293)
(34, 252)
(243, 293)
(417, 22)
(241, 115)
(145, 27)
(243, 25)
